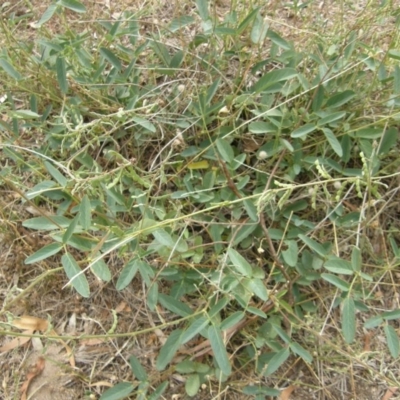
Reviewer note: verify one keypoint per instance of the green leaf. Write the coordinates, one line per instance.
(335, 116)
(392, 340)
(303, 131)
(339, 283)
(388, 141)
(260, 127)
(340, 99)
(212, 90)
(159, 391)
(276, 361)
(225, 150)
(301, 351)
(395, 54)
(137, 369)
(85, 213)
(243, 232)
(164, 238)
(25, 114)
(251, 210)
(43, 253)
(313, 245)
(218, 348)
(56, 174)
(61, 70)
(246, 21)
(356, 259)
(180, 22)
(111, 58)
(278, 40)
(257, 287)
(174, 305)
(119, 391)
(259, 29)
(70, 230)
(169, 349)
(389, 315)
(9, 69)
(73, 5)
(348, 319)
(339, 266)
(290, 255)
(51, 9)
(144, 123)
(192, 384)
(273, 77)
(241, 265)
(335, 144)
(232, 320)
(47, 223)
(202, 8)
(77, 278)
(373, 322)
(127, 274)
(195, 327)
(101, 270)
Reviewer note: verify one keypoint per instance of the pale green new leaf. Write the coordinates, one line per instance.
(43, 253)
(348, 319)
(257, 287)
(356, 259)
(218, 348)
(169, 349)
(75, 275)
(164, 238)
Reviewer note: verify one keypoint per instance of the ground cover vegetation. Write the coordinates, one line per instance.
(199, 199)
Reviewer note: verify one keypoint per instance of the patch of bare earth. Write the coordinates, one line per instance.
(63, 367)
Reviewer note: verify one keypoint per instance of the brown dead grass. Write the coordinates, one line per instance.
(97, 363)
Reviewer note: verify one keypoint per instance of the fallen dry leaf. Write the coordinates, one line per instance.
(33, 323)
(389, 393)
(18, 341)
(33, 372)
(285, 394)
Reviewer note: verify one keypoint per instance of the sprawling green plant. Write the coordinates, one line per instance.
(225, 186)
